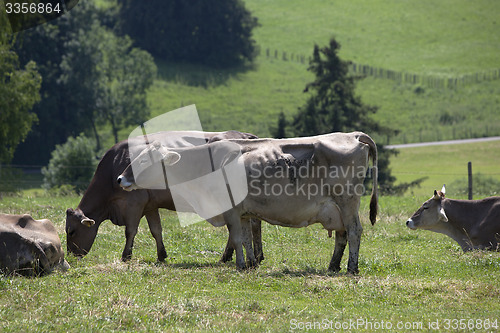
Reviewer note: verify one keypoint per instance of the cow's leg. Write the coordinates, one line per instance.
(256, 235)
(257, 239)
(131, 225)
(154, 222)
(246, 229)
(340, 244)
(235, 236)
(354, 231)
(130, 233)
(228, 251)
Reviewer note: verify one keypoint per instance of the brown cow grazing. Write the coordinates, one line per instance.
(473, 224)
(29, 247)
(105, 199)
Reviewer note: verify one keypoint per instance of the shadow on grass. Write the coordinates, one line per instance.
(305, 272)
(199, 75)
(189, 264)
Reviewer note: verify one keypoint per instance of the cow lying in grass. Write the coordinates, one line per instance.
(29, 247)
(473, 224)
(290, 182)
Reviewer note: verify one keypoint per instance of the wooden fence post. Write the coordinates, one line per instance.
(469, 167)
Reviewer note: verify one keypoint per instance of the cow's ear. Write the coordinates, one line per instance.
(442, 215)
(436, 195)
(70, 212)
(88, 222)
(443, 190)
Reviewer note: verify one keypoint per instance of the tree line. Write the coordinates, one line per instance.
(96, 65)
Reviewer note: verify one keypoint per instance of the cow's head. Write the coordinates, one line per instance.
(80, 231)
(146, 169)
(431, 214)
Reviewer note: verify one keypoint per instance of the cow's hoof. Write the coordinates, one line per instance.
(334, 269)
(252, 264)
(227, 255)
(126, 258)
(241, 266)
(226, 258)
(162, 256)
(354, 271)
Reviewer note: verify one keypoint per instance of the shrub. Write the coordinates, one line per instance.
(9, 177)
(72, 163)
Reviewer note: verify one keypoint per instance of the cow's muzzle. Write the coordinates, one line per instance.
(410, 224)
(124, 183)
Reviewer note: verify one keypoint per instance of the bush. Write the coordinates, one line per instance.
(72, 163)
(9, 177)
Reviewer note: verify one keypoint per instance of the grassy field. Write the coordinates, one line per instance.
(433, 38)
(408, 279)
(445, 165)
(445, 39)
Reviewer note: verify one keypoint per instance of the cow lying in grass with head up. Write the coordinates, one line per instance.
(473, 224)
(290, 182)
(29, 247)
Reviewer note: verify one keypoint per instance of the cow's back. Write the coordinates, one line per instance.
(300, 181)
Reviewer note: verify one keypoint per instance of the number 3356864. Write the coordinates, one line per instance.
(31, 8)
(471, 324)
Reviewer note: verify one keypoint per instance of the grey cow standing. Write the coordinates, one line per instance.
(291, 182)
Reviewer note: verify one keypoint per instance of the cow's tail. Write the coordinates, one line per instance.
(373, 153)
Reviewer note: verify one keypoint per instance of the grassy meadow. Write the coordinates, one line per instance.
(445, 39)
(445, 165)
(408, 279)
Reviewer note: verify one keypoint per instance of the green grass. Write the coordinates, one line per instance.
(445, 164)
(448, 37)
(444, 39)
(405, 276)
(233, 99)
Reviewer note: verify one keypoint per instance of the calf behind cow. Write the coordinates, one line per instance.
(29, 247)
(473, 224)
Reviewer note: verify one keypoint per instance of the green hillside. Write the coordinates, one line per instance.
(439, 37)
(445, 39)
(445, 165)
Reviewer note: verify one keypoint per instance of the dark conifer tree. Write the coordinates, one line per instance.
(333, 105)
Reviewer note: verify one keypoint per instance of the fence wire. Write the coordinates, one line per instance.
(399, 76)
